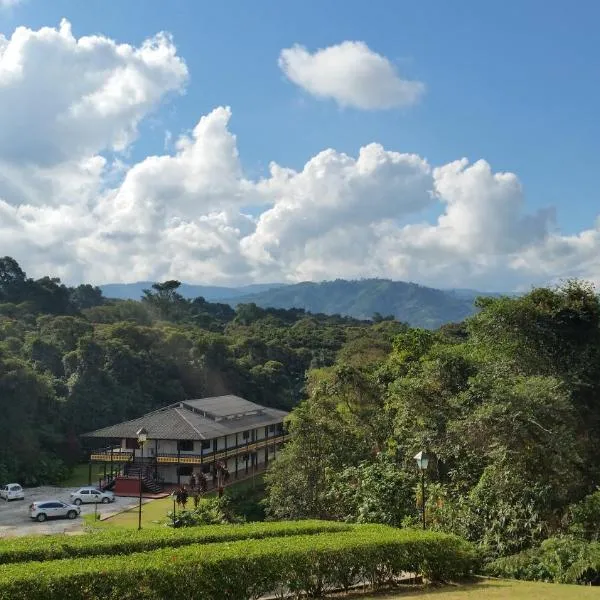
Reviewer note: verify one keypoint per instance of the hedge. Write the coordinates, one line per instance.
(126, 541)
(298, 565)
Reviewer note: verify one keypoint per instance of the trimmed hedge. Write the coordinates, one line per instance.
(300, 565)
(127, 541)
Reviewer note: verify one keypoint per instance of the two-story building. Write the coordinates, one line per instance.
(188, 437)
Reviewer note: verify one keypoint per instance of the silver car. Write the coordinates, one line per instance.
(12, 491)
(52, 509)
(91, 495)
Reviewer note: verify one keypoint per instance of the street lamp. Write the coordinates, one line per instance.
(142, 436)
(422, 459)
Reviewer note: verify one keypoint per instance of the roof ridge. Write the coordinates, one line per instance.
(177, 410)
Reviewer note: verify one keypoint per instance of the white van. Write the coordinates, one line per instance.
(12, 491)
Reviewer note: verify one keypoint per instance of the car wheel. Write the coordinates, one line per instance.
(78, 501)
(71, 514)
(105, 500)
(41, 518)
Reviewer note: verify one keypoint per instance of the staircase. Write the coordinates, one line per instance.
(148, 484)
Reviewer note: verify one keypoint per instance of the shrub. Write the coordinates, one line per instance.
(583, 518)
(301, 565)
(127, 541)
(210, 511)
(559, 559)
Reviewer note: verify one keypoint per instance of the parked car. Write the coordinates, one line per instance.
(91, 495)
(12, 491)
(50, 509)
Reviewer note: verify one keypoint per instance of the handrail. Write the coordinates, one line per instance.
(126, 455)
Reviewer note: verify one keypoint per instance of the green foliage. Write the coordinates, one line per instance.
(210, 511)
(560, 560)
(108, 542)
(72, 361)
(303, 565)
(372, 492)
(507, 402)
(583, 518)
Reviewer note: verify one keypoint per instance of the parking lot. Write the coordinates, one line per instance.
(15, 520)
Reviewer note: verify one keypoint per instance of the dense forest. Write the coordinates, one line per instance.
(507, 403)
(72, 361)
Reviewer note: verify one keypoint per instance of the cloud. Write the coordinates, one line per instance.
(70, 206)
(351, 74)
(62, 98)
(9, 3)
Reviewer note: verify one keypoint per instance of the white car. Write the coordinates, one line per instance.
(91, 495)
(49, 509)
(12, 491)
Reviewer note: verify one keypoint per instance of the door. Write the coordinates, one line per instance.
(95, 496)
(85, 495)
(52, 509)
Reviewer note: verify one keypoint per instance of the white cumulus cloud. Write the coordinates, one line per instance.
(62, 98)
(351, 74)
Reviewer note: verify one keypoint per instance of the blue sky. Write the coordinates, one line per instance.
(515, 83)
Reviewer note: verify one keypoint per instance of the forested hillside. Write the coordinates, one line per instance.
(72, 361)
(410, 303)
(508, 403)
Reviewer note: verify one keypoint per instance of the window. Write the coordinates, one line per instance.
(205, 444)
(185, 446)
(271, 428)
(85, 491)
(206, 468)
(246, 435)
(185, 470)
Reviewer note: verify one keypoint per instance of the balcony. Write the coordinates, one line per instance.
(122, 455)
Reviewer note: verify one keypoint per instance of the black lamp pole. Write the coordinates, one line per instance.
(142, 436)
(423, 495)
(422, 459)
(140, 504)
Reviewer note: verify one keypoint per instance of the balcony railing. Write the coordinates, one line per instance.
(112, 453)
(126, 455)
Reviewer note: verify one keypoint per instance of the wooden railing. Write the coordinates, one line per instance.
(121, 455)
(112, 454)
(197, 459)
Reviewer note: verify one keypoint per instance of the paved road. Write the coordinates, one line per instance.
(15, 520)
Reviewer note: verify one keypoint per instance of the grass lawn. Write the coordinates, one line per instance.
(493, 589)
(155, 511)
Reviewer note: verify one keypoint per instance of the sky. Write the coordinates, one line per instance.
(450, 144)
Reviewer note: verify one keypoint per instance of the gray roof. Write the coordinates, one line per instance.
(201, 419)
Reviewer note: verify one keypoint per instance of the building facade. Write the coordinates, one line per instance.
(192, 437)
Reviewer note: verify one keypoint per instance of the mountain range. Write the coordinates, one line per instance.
(418, 305)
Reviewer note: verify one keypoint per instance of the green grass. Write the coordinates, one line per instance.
(154, 512)
(493, 589)
(79, 476)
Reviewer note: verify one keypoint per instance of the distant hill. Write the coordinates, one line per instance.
(417, 305)
(211, 293)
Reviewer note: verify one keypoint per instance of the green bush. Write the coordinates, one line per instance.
(583, 518)
(559, 559)
(300, 565)
(126, 541)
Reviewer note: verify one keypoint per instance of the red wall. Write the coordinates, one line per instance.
(127, 486)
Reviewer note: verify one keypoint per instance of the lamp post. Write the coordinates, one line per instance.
(422, 459)
(142, 436)
(174, 494)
